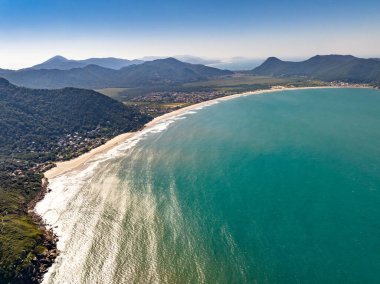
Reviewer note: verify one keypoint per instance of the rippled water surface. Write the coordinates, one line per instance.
(274, 188)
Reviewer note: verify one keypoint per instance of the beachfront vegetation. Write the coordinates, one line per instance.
(158, 100)
(38, 127)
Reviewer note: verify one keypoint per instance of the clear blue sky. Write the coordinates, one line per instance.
(33, 30)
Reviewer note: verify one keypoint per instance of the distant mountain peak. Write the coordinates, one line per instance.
(56, 58)
(168, 59)
(273, 59)
(329, 56)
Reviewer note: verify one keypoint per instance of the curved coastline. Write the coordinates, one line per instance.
(79, 162)
(83, 165)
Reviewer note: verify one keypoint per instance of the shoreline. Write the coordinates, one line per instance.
(80, 161)
(49, 239)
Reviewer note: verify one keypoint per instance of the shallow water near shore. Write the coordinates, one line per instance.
(281, 187)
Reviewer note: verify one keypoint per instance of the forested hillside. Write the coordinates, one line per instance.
(38, 127)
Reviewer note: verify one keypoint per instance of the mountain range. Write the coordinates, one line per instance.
(167, 71)
(186, 58)
(62, 63)
(96, 73)
(324, 67)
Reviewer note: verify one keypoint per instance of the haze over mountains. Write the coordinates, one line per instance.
(96, 73)
(62, 63)
(186, 58)
(167, 71)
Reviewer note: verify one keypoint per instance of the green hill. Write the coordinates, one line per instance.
(28, 115)
(345, 68)
(38, 127)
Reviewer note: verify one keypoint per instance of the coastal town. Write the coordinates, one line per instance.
(157, 103)
(75, 144)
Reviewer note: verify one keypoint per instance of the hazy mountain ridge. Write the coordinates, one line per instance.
(62, 63)
(158, 72)
(167, 71)
(170, 71)
(324, 67)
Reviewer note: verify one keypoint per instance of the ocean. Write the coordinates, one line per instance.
(281, 187)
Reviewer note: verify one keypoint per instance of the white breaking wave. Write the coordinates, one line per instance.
(106, 220)
(77, 206)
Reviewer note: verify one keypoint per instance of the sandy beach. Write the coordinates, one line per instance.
(92, 197)
(66, 166)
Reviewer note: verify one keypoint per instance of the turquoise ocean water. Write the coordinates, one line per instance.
(275, 188)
